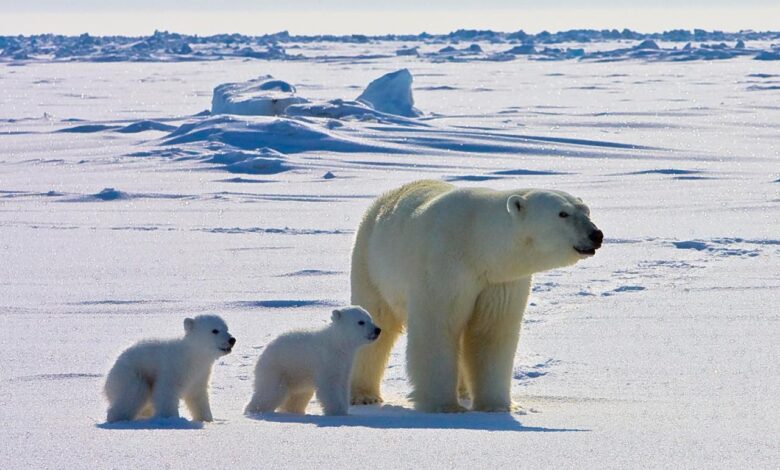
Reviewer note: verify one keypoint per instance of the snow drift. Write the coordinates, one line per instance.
(390, 94)
(262, 96)
(250, 133)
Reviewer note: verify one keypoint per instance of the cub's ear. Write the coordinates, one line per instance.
(336, 315)
(189, 324)
(515, 204)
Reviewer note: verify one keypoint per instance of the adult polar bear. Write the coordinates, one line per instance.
(454, 266)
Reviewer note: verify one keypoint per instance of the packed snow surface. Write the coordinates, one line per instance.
(125, 207)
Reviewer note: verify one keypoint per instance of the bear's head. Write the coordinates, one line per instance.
(551, 229)
(356, 324)
(210, 333)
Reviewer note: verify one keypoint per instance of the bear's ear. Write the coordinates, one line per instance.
(336, 315)
(515, 204)
(189, 324)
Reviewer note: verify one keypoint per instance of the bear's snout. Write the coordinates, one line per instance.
(232, 341)
(377, 330)
(597, 237)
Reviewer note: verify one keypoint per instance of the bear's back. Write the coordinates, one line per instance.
(296, 350)
(146, 356)
(409, 198)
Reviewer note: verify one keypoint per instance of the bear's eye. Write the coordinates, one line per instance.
(361, 322)
(216, 332)
(563, 215)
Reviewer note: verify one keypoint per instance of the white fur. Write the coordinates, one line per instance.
(454, 266)
(149, 378)
(296, 364)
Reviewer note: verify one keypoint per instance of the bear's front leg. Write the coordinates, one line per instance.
(432, 354)
(490, 343)
(333, 390)
(197, 402)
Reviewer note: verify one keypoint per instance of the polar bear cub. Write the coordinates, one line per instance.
(149, 378)
(296, 364)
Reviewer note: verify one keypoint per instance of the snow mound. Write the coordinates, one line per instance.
(524, 49)
(339, 109)
(384, 99)
(263, 96)
(255, 132)
(88, 128)
(647, 44)
(391, 93)
(109, 194)
(407, 51)
(146, 125)
(265, 161)
(334, 109)
(768, 55)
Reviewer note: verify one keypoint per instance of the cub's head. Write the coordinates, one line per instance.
(209, 332)
(553, 227)
(356, 324)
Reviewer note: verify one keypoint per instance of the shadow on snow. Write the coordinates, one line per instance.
(152, 423)
(397, 417)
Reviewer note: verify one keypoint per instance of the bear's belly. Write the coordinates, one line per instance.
(298, 379)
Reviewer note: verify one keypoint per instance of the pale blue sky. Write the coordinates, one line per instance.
(375, 17)
(119, 5)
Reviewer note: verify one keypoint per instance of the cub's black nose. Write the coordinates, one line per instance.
(232, 341)
(596, 236)
(377, 330)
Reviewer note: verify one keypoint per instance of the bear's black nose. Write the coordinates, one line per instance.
(596, 236)
(377, 330)
(232, 341)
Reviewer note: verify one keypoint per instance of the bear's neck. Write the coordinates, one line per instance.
(197, 352)
(521, 264)
(503, 254)
(342, 345)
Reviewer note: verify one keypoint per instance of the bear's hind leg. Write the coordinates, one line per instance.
(297, 402)
(371, 360)
(463, 381)
(270, 392)
(127, 394)
(147, 410)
